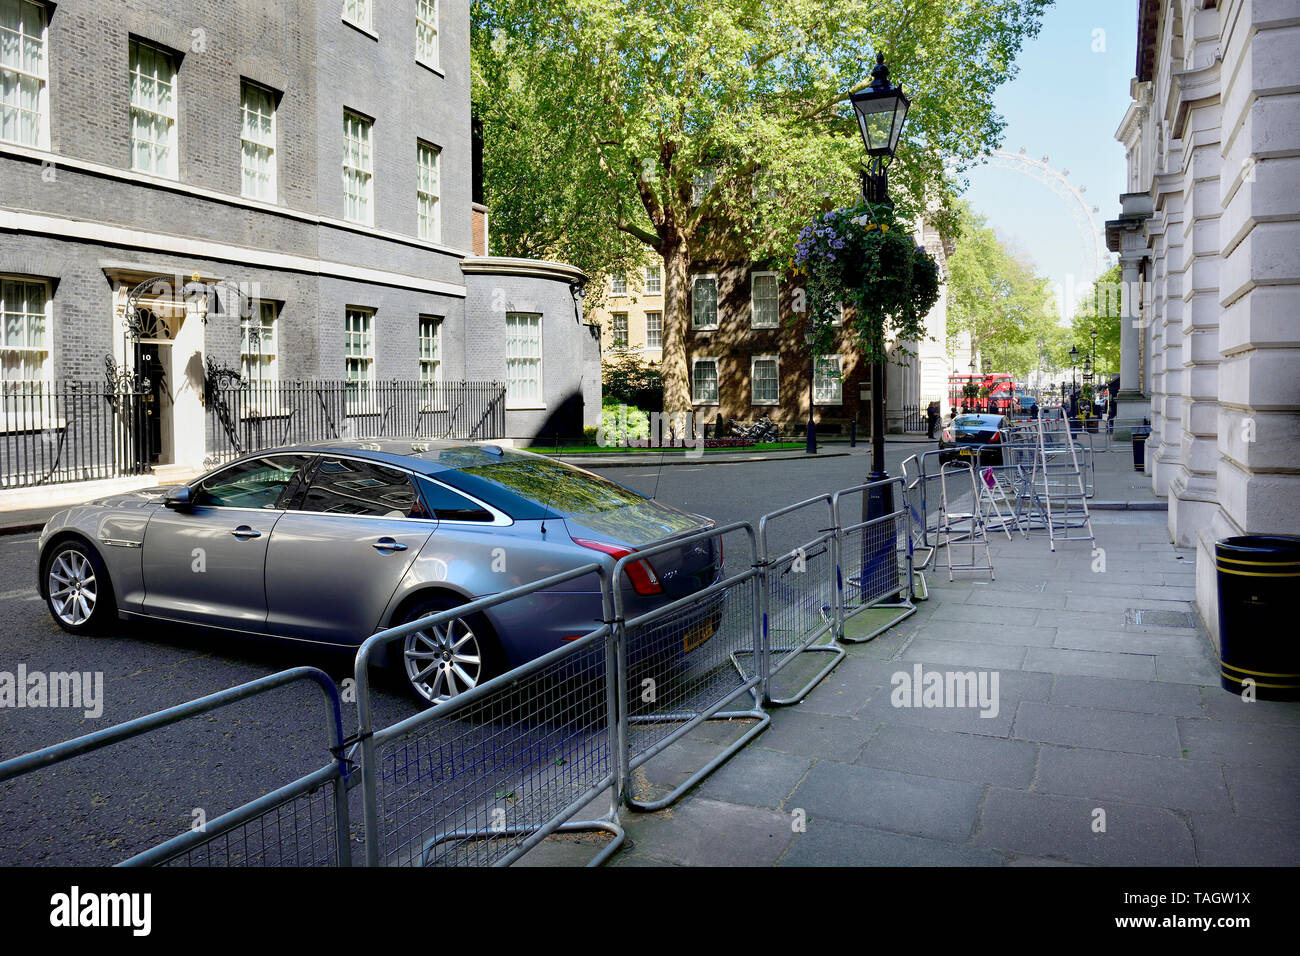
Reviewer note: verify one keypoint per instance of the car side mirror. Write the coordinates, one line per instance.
(179, 498)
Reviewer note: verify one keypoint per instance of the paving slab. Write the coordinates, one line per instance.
(756, 777)
(888, 800)
(964, 654)
(1266, 745)
(1100, 729)
(1141, 697)
(1060, 660)
(1227, 840)
(1062, 828)
(1105, 775)
(954, 756)
(702, 832)
(829, 843)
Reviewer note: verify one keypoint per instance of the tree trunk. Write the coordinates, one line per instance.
(677, 316)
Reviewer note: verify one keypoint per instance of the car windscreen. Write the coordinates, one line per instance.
(977, 422)
(530, 488)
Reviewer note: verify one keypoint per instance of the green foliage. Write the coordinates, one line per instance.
(589, 434)
(600, 116)
(864, 257)
(996, 296)
(629, 380)
(1101, 311)
(621, 423)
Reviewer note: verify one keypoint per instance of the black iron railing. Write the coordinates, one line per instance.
(53, 432)
(249, 416)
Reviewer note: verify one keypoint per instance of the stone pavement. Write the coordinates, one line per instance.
(1100, 719)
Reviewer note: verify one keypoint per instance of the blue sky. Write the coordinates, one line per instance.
(1066, 103)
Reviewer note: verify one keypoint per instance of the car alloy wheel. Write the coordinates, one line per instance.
(443, 660)
(73, 587)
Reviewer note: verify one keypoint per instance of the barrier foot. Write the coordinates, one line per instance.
(920, 592)
(608, 824)
(873, 621)
(649, 806)
(837, 654)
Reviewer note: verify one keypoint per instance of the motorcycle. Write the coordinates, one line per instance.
(762, 431)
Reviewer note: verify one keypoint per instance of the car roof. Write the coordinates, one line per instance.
(427, 456)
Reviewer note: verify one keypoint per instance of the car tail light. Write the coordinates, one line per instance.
(997, 436)
(947, 435)
(644, 580)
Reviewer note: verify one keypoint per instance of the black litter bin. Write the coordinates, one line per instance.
(1257, 577)
(1140, 435)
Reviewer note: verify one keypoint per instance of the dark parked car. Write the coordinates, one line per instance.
(964, 436)
(328, 543)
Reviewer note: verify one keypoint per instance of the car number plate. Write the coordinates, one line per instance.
(965, 452)
(697, 636)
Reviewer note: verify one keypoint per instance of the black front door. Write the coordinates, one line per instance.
(149, 369)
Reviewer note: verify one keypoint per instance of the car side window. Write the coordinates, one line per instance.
(448, 505)
(256, 483)
(350, 487)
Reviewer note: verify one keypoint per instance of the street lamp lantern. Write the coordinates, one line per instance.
(1074, 356)
(881, 110)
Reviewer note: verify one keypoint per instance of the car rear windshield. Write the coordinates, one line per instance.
(976, 421)
(530, 488)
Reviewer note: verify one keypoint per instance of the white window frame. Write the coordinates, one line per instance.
(430, 348)
(819, 393)
(25, 351)
(753, 379)
(655, 287)
(266, 144)
(159, 115)
(512, 341)
(838, 320)
(360, 13)
(613, 332)
(618, 284)
(656, 346)
(717, 295)
(717, 380)
(361, 174)
(426, 33)
(26, 72)
(753, 301)
(263, 396)
(361, 400)
(428, 177)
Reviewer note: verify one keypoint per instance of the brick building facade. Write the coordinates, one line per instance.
(315, 157)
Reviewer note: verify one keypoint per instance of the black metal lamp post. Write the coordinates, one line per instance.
(881, 110)
(810, 446)
(1074, 364)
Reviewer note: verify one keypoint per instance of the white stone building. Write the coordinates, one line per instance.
(1209, 240)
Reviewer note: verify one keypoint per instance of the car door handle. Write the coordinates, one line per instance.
(244, 532)
(388, 546)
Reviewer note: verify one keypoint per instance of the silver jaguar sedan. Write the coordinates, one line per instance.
(329, 542)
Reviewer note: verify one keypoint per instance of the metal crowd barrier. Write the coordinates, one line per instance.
(873, 562)
(486, 776)
(799, 601)
(683, 663)
(304, 823)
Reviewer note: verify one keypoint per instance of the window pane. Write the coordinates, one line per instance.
(765, 386)
(426, 30)
(258, 483)
(345, 486)
(704, 302)
(653, 280)
(706, 380)
(765, 305)
(654, 334)
(523, 359)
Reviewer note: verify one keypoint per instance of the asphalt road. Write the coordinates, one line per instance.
(103, 807)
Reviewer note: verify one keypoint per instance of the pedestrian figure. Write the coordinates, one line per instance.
(931, 418)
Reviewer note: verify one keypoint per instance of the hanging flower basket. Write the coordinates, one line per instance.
(864, 258)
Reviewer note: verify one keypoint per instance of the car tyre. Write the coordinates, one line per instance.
(441, 662)
(78, 591)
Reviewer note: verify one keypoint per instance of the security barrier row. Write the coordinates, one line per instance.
(561, 743)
